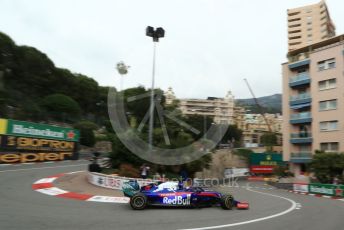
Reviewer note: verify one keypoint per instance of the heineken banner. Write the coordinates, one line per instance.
(22, 142)
(29, 129)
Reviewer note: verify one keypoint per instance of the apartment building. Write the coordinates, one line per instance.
(309, 24)
(313, 101)
(239, 117)
(256, 126)
(220, 109)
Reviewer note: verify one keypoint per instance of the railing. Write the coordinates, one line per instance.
(304, 115)
(305, 155)
(301, 96)
(300, 135)
(299, 77)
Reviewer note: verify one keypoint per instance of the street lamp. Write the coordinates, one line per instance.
(122, 69)
(155, 34)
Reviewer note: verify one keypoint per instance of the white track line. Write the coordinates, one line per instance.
(61, 166)
(76, 172)
(292, 207)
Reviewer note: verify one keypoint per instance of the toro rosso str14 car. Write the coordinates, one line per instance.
(172, 194)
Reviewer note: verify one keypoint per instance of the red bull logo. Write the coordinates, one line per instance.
(177, 200)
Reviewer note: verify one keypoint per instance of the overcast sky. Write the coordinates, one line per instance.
(210, 45)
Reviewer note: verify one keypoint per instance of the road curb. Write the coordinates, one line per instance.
(317, 195)
(46, 186)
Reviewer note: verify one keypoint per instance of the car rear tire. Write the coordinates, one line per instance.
(227, 202)
(138, 201)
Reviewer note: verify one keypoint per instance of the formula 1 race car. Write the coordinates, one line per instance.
(172, 194)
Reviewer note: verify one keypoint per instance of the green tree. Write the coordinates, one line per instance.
(120, 154)
(199, 122)
(61, 107)
(86, 129)
(178, 135)
(269, 140)
(232, 135)
(30, 76)
(326, 166)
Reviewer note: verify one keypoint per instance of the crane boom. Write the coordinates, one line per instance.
(258, 105)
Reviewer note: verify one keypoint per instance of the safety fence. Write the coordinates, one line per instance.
(113, 182)
(320, 189)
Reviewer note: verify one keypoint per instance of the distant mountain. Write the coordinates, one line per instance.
(270, 104)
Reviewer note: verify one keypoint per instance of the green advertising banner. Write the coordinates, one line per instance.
(326, 189)
(266, 159)
(29, 129)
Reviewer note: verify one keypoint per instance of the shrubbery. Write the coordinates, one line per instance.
(128, 170)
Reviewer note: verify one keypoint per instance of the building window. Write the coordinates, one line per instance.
(327, 84)
(305, 148)
(329, 146)
(328, 126)
(328, 105)
(327, 64)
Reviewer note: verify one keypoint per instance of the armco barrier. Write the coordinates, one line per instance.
(300, 187)
(287, 186)
(113, 182)
(319, 189)
(326, 189)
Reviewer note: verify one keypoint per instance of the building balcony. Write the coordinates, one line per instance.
(300, 80)
(300, 99)
(301, 157)
(301, 138)
(297, 64)
(301, 118)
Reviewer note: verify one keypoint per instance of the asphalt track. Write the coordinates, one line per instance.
(270, 209)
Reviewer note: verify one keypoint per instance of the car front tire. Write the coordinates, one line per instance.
(227, 202)
(138, 201)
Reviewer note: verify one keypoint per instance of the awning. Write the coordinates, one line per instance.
(300, 106)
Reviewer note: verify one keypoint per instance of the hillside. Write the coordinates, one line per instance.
(270, 104)
(33, 88)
